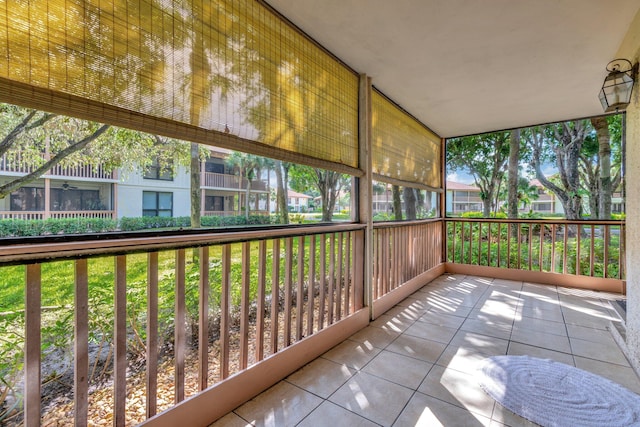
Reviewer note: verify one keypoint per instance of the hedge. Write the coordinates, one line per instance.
(52, 226)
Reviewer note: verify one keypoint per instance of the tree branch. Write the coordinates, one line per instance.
(7, 188)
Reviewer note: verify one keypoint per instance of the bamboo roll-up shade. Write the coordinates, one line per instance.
(403, 149)
(228, 68)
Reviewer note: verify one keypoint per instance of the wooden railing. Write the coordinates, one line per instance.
(16, 163)
(164, 318)
(402, 251)
(232, 213)
(56, 214)
(581, 248)
(227, 181)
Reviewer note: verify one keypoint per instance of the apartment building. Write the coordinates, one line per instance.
(91, 192)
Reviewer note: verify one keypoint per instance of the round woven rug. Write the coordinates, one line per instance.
(553, 394)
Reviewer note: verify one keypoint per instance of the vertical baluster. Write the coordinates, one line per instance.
(348, 300)
(489, 244)
(311, 286)
(300, 289)
(225, 303)
(358, 267)
(323, 280)
(275, 295)
(288, 290)
(519, 244)
(499, 240)
(260, 305)
(180, 325)
(332, 277)
(541, 259)
(384, 270)
(530, 256)
(32, 357)
(470, 243)
(203, 318)
(479, 242)
(578, 238)
(244, 305)
(339, 277)
(607, 241)
(120, 339)
(151, 377)
(81, 343)
(509, 225)
(553, 248)
(592, 259)
(564, 252)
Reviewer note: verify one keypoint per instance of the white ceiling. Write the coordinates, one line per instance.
(470, 66)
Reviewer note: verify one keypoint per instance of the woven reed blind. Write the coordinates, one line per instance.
(227, 72)
(403, 150)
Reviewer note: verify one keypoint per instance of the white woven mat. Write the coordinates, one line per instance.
(553, 394)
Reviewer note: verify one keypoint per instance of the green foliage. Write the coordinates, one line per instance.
(54, 226)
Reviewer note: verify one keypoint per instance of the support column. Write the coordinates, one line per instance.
(365, 187)
(443, 198)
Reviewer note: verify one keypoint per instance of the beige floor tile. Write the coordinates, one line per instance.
(418, 348)
(458, 388)
(488, 327)
(376, 337)
(431, 332)
(330, 414)
(589, 334)
(540, 325)
(352, 353)
(462, 359)
(551, 314)
(454, 310)
(610, 353)
(321, 377)
(397, 323)
(442, 319)
(373, 398)
(405, 313)
(623, 375)
(479, 343)
(540, 339)
(231, 420)
(518, 349)
(505, 417)
(399, 369)
(282, 405)
(492, 313)
(426, 411)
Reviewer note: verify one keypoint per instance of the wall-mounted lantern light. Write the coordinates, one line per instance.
(616, 89)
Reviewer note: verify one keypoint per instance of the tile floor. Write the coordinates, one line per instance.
(414, 365)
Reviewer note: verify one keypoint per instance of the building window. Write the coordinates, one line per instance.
(542, 207)
(75, 200)
(155, 203)
(156, 171)
(214, 203)
(27, 199)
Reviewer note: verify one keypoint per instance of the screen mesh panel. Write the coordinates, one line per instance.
(228, 68)
(402, 148)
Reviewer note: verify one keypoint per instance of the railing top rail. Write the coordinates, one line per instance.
(394, 224)
(49, 249)
(538, 221)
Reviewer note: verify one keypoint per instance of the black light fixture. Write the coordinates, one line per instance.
(616, 89)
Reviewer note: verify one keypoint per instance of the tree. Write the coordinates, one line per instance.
(397, 202)
(39, 141)
(410, 201)
(328, 183)
(514, 157)
(484, 157)
(248, 167)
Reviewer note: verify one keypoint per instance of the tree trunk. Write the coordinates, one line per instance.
(409, 202)
(601, 126)
(196, 194)
(281, 194)
(514, 154)
(397, 202)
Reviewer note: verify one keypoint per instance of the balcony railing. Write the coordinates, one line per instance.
(161, 318)
(232, 213)
(582, 250)
(15, 163)
(56, 214)
(230, 182)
